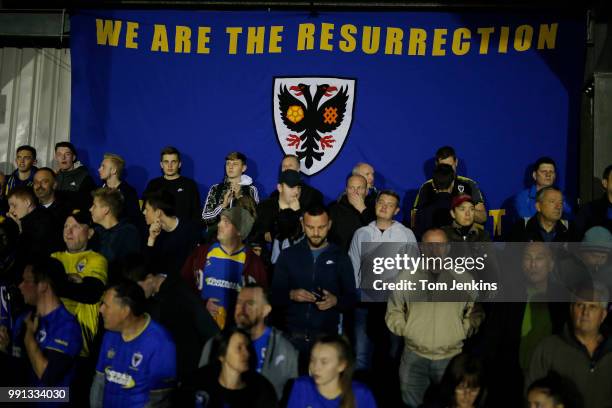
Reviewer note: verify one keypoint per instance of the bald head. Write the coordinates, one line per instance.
(366, 171)
(356, 178)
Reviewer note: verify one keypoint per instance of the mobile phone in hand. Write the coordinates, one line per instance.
(318, 293)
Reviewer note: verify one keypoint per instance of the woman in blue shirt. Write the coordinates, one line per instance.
(330, 383)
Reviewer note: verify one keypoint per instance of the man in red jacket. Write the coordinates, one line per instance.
(218, 272)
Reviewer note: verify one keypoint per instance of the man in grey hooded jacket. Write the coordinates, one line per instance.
(277, 359)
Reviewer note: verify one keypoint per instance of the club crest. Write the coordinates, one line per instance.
(136, 359)
(312, 118)
(41, 336)
(81, 265)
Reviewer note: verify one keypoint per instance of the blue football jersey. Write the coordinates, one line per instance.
(221, 278)
(58, 331)
(132, 369)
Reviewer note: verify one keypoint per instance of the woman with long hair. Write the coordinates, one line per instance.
(462, 384)
(229, 381)
(330, 383)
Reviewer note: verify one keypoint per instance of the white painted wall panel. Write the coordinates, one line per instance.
(34, 102)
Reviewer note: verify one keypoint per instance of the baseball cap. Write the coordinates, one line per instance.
(82, 217)
(460, 199)
(290, 177)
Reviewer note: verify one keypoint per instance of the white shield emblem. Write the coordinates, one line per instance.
(136, 359)
(41, 336)
(312, 118)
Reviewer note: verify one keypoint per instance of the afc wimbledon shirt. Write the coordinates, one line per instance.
(85, 264)
(221, 278)
(132, 369)
(58, 331)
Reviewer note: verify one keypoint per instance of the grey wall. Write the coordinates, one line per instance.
(34, 101)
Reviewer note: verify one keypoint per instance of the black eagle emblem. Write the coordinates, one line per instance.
(312, 119)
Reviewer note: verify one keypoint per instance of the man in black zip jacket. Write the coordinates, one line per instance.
(313, 283)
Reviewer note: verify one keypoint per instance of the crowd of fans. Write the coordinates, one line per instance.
(235, 302)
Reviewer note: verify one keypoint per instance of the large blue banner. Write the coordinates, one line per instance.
(336, 88)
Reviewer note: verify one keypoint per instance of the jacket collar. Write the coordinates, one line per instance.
(605, 347)
(33, 170)
(533, 224)
(304, 245)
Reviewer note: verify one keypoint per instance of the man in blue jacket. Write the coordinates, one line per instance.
(314, 283)
(544, 175)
